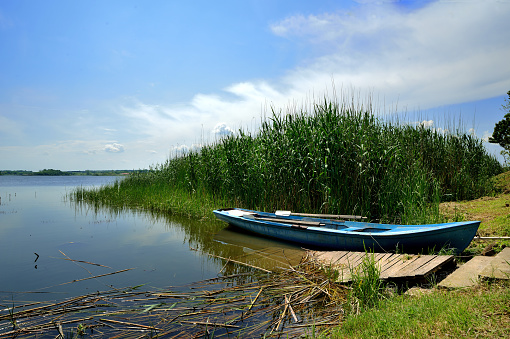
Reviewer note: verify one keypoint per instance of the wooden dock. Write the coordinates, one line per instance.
(391, 266)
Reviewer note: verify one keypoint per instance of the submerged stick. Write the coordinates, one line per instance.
(254, 300)
(282, 316)
(291, 310)
(96, 276)
(206, 323)
(240, 263)
(76, 262)
(129, 324)
(31, 310)
(86, 262)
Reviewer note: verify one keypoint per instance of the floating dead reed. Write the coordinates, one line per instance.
(288, 303)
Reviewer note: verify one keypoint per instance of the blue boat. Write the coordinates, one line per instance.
(327, 233)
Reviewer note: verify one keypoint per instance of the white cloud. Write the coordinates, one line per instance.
(180, 149)
(486, 136)
(444, 53)
(183, 149)
(222, 130)
(114, 148)
(427, 123)
(441, 54)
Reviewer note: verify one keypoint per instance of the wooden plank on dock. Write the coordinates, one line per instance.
(437, 263)
(391, 265)
(415, 266)
(355, 259)
(385, 258)
(330, 257)
(393, 261)
(399, 264)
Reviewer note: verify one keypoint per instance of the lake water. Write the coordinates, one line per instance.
(50, 247)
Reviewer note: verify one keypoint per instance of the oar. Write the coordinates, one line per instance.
(325, 216)
(491, 238)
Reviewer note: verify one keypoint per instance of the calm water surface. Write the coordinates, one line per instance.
(37, 217)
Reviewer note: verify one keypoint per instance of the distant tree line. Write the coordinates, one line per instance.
(54, 172)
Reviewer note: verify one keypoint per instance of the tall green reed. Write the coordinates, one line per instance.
(329, 157)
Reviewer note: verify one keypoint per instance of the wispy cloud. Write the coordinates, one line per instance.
(445, 53)
(441, 54)
(114, 148)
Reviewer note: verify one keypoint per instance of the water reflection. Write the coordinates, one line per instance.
(48, 245)
(259, 251)
(212, 239)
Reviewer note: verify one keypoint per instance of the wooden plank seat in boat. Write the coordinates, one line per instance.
(286, 221)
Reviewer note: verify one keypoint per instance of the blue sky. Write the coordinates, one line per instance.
(125, 84)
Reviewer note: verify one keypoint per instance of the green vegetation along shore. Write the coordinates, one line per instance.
(335, 157)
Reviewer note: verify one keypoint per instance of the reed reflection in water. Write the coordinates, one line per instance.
(52, 247)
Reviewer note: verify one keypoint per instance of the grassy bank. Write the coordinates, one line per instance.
(480, 312)
(493, 211)
(333, 157)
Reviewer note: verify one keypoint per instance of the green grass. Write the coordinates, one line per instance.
(330, 158)
(493, 211)
(367, 287)
(483, 312)
(502, 182)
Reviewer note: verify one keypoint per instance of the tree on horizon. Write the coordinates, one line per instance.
(501, 134)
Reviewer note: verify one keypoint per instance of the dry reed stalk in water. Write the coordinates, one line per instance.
(125, 323)
(254, 300)
(240, 263)
(206, 323)
(287, 300)
(96, 276)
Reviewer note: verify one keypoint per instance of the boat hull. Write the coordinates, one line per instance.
(352, 235)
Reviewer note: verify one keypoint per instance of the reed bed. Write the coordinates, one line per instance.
(331, 157)
(293, 302)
